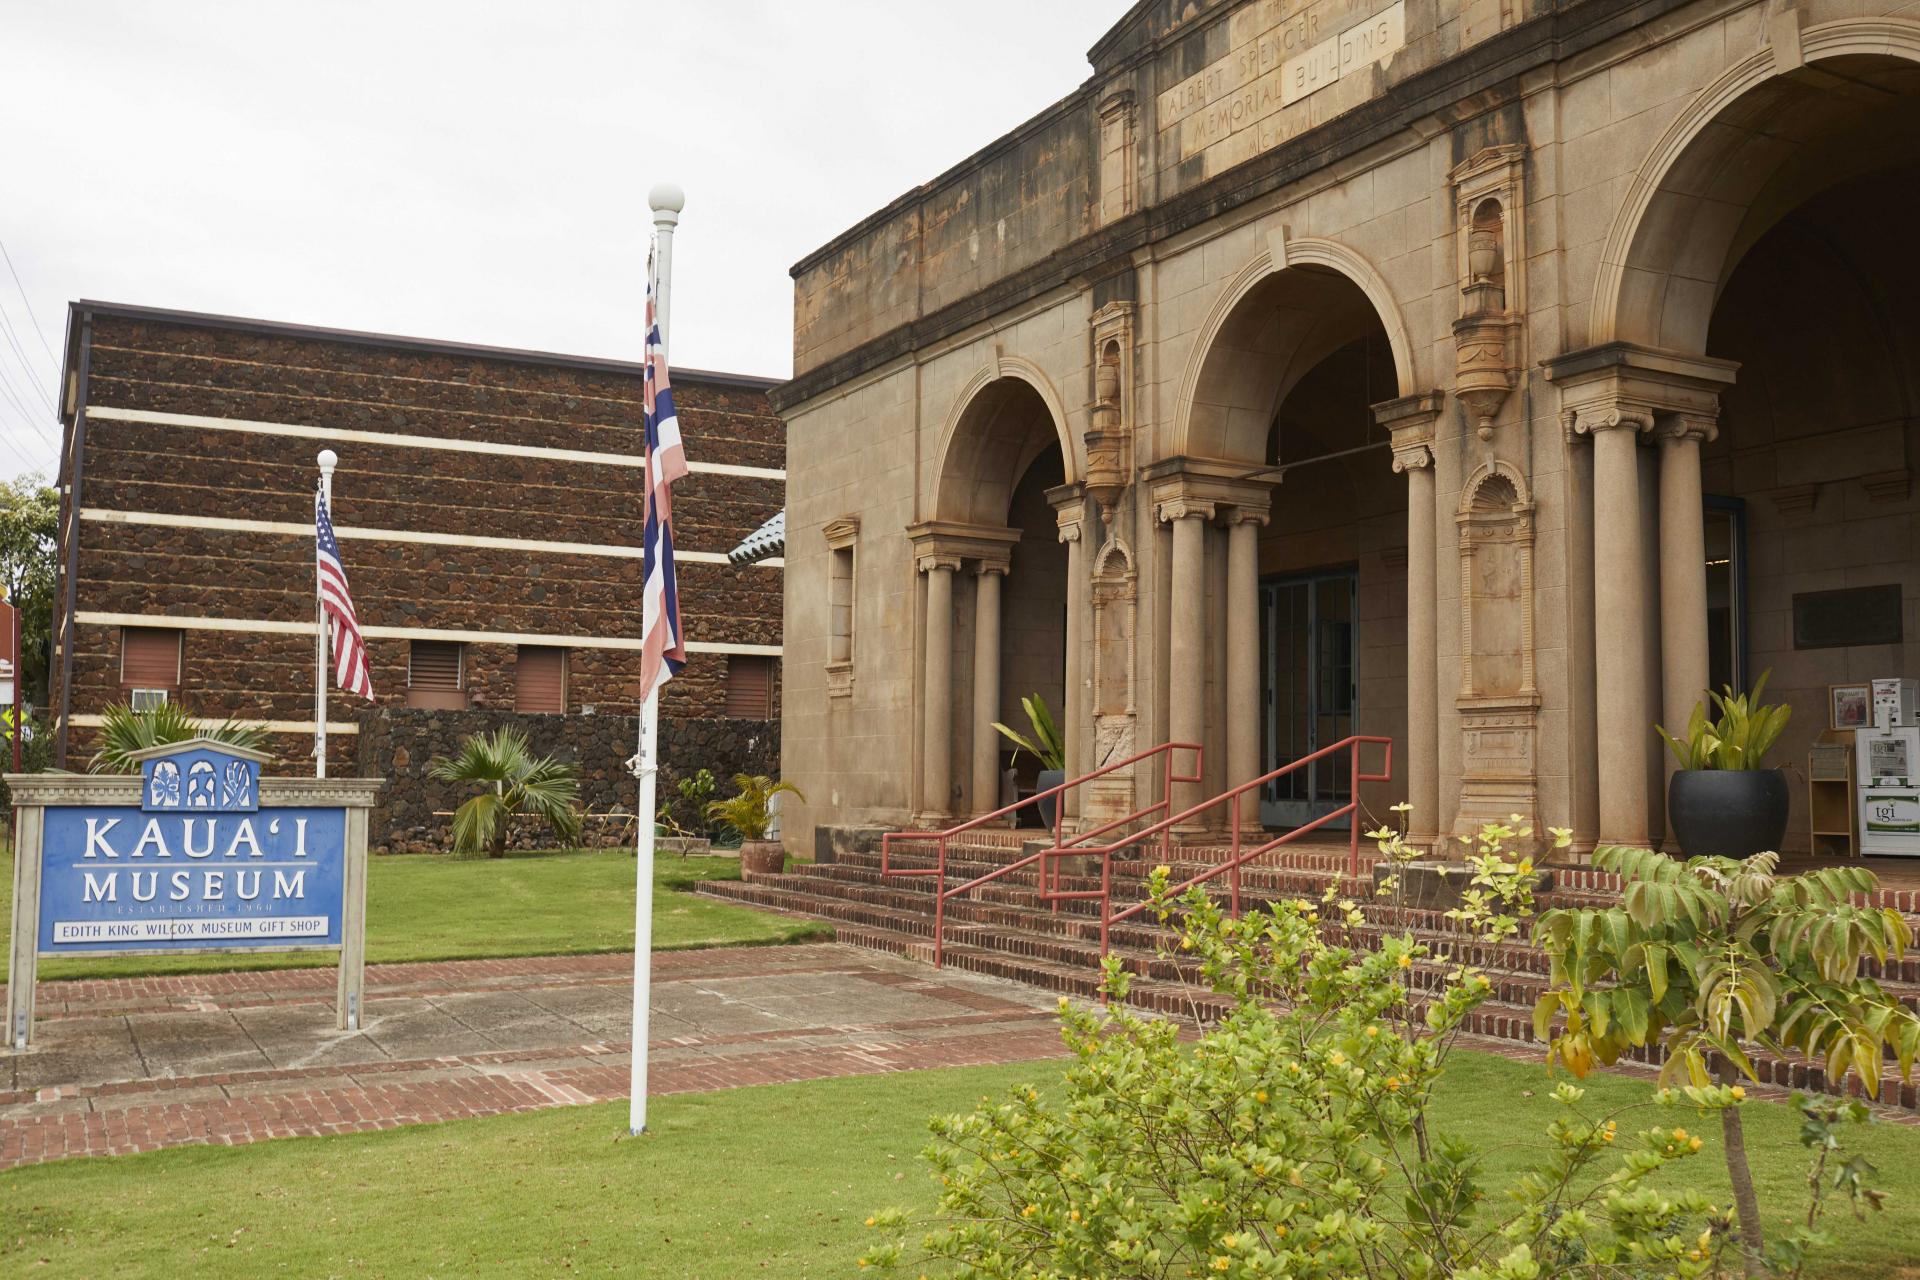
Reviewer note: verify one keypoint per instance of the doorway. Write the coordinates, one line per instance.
(1308, 634)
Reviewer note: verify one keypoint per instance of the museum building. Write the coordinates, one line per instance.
(1489, 376)
(488, 508)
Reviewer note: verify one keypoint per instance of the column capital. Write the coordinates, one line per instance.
(1622, 384)
(1591, 419)
(1184, 508)
(1414, 455)
(985, 567)
(945, 543)
(1248, 515)
(1679, 428)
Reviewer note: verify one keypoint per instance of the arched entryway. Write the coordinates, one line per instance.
(1286, 514)
(1752, 311)
(996, 601)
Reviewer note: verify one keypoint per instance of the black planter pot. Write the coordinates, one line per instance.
(1727, 813)
(1048, 779)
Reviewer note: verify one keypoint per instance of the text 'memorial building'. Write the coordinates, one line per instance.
(1490, 376)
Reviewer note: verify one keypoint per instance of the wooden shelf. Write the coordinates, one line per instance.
(1833, 808)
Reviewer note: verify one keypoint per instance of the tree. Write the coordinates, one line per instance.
(1717, 956)
(29, 568)
(124, 731)
(519, 784)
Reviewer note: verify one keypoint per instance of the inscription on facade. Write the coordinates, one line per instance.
(1281, 52)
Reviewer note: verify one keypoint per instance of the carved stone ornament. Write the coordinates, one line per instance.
(1499, 701)
(1490, 211)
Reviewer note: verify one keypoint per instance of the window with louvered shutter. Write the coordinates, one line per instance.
(749, 687)
(436, 679)
(150, 658)
(540, 680)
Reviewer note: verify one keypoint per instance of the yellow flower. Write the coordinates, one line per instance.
(1738, 1093)
(1232, 1242)
(1033, 1095)
(1163, 870)
(1029, 1211)
(1294, 1067)
(1607, 1136)
(1405, 961)
(869, 1221)
(1259, 1095)
(1679, 1135)
(1338, 1058)
(1280, 1230)
(1693, 1144)
(1393, 1082)
(1073, 1216)
(1373, 1033)
(1260, 1171)
(1221, 1264)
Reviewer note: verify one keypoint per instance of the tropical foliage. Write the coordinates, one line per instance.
(124, 731)
(1045, 745)
(1739, 739)
(29, 519)
(1294, 1138)
(516, 782)
(1712, 958)
(749, 812)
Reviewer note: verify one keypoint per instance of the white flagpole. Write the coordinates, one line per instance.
(667, 201)
(328, 459)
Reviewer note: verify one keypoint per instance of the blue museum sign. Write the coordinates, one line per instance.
(196, 865)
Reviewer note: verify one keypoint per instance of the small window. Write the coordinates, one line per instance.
(146, 699)
(150, 663)
(840, 601)
(749, 687)
(437, 676)
(540, 680)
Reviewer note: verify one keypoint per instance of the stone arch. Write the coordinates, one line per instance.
(1275, 320)
(1495, 487)
(1006, 416)
(1750, 147)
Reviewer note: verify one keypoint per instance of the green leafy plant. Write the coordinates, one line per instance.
(1714, 957)
(1293, 1138)
(749, 812)
(1739, 739)
(516, 782)
(696, 793)
(1046, 745)
(124, 731)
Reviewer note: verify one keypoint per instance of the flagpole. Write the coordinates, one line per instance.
(328, 459)
(667, 200)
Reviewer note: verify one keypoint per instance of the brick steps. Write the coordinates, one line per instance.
(1004, 929)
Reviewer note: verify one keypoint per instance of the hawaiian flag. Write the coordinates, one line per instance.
(336, 602)
(663, 649)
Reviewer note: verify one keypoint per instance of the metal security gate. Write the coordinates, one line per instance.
(1308, 626)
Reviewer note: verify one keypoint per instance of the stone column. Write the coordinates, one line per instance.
(1076, 720)
(1623, 717)
(1423, 646)
(986, 688)
(1683, 571)
(1243, 658)
(937, 782)
(1187, 681)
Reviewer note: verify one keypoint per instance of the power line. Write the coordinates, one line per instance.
(23, 297)
(6, 327)
(29, 416)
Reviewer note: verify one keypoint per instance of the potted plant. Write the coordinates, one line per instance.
(1723, 801)
(1046, 745)
(750, 812)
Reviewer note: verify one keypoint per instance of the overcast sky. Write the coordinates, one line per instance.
(476, 170)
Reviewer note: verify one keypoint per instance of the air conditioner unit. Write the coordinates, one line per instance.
(146, 699)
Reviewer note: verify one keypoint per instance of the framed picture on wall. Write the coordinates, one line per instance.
(1847, 705)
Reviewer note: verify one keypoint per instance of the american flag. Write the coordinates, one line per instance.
(336, 602)
(663, 650)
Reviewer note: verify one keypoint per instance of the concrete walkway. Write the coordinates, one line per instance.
(132, 1064)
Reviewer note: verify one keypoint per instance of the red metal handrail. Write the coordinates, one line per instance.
(1240, 857)
(1168, 777)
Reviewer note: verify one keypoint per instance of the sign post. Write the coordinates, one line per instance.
(197, 853)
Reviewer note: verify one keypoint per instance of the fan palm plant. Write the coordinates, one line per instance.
(124, 731)
(750, 812)
(517, 783)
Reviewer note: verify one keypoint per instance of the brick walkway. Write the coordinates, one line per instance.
(132, 1064)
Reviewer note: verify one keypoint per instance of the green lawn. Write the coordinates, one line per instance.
(772, 1181)
(432, 907)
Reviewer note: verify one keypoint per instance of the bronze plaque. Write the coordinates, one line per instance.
(1854, 615)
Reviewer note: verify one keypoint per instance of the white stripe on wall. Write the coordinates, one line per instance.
(274, 627)
(270, 726)
(291, 528)
(156, 417)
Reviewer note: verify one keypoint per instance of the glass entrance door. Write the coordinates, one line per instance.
(1307, 634)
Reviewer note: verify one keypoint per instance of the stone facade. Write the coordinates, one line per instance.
(483, 497)
(1521, 362)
